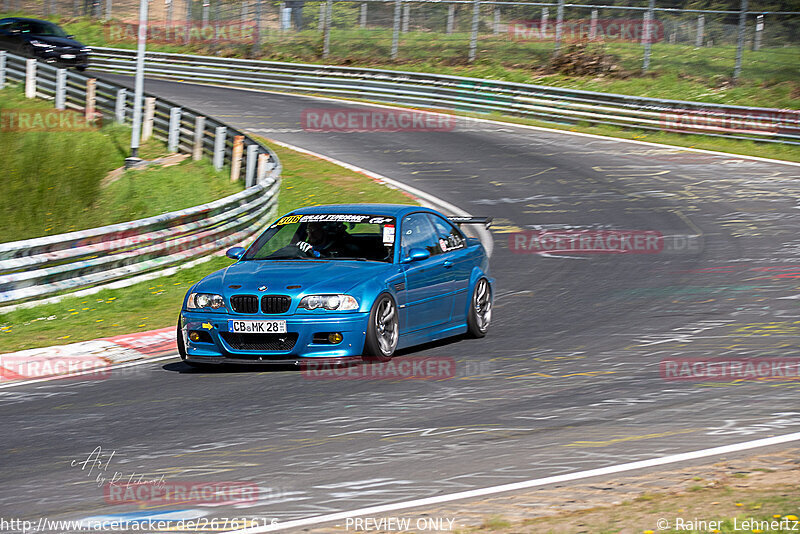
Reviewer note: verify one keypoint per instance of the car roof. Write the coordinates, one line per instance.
(25, 19)
(388, 210)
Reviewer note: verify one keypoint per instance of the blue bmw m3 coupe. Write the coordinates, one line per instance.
(340, 282)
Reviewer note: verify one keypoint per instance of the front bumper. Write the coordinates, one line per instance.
(57, 57)
(297, 345)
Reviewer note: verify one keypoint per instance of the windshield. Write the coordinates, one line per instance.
(41, 28)
(331, 236)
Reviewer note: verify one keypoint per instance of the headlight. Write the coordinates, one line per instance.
(205, 300)
(41, 44)
(87, 49)
(329, 302)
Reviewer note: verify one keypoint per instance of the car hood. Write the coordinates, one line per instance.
(282, 277)
(56, 41)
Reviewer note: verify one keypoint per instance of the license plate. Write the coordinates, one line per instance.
(67, 56)
(257, 327)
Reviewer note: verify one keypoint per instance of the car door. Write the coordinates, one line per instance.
(429, 285)
(6, 38)
(454, 250)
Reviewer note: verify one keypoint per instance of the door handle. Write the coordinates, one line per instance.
(447, 264)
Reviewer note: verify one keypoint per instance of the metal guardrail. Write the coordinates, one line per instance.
(551, 104)
(40, 267)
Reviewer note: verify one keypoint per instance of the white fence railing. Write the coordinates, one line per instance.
(40, 267)
(552, 104)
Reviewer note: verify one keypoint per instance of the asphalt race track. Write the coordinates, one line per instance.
(569, 378)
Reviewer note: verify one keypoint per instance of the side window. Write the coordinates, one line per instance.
(418, 233)
(448, 236)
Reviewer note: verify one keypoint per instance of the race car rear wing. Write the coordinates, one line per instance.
(486, 221)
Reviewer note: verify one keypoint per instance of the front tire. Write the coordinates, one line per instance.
(479, 314)
(182, 350)
(383, 330)
(181, 343)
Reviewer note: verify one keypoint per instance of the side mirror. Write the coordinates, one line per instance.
(417, 254)
(235, 253)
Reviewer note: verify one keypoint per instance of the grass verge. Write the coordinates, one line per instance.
(724, 510)
(155, 304)
(53, 180)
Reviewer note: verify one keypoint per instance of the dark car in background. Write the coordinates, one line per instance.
(42, 40)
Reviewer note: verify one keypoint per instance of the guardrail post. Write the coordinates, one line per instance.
(363, 18)
(219, 147)
(759, 31)
(61, 88)
(326, 45)
(451, 17)
(593, 26)
(473, 39)
(647, 34)
(236, 157)
(737, 69)
(261, 172)
(701, 25)
(396, 29)
(199, 136)
(91, 99)
(496, 19)
(250, 165)
(545, 17)
(120, 105)
(559, 26)
(149, 113)
(174, 136)
(2, 69)
(257, 29)
(406, 16)
(188, 21)
(30, 78)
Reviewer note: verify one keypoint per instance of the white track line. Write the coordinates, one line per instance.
(433, 201)
(382, 509)
(88, 371)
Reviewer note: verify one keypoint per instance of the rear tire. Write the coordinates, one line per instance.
(383, 330)
(479, 315)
